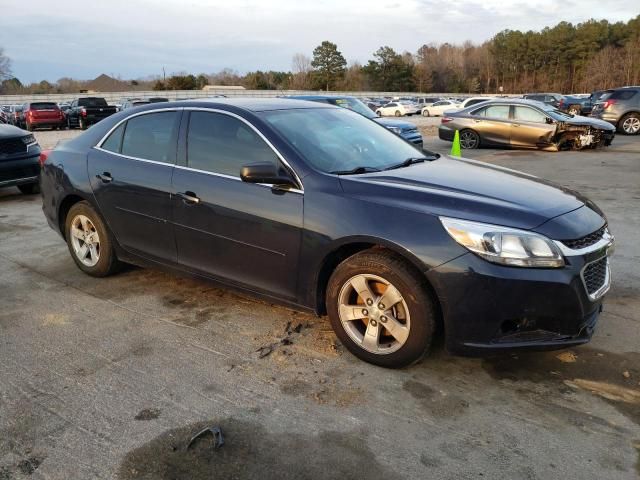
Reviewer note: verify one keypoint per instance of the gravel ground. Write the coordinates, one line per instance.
(109, 378)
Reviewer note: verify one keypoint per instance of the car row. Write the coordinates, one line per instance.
(325, 210)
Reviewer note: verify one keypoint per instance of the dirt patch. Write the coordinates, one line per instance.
(612, 376)
(250, 451)
(148, 414)
(26, 468)
(436, 402)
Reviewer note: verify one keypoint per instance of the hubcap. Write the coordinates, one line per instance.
(374, 314)
(85, 240)
(631, 125)
(468, 140)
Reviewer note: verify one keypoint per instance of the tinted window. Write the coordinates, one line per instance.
(622, 94)
(477, 100)
(44, 106)
(527, 114)
(495, 111)
(151, 136)
(114, 141)
(92, 102)
(220, 143)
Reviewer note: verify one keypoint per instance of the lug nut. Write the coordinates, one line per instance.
(381, 306)
(374, 323)
(369, 302)
(365, 311)
(383, 319)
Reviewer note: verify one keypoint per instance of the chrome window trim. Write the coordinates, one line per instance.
(605, 286)
(98, 146)
(250, 125)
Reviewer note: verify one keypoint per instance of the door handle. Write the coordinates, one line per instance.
(189, 198)
(105, 177)
(515, 124)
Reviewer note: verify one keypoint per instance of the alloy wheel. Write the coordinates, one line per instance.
(631, 125)
(374, 314)
(85, 240)
(468, 140)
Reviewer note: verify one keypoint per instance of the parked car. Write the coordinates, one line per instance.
(87, 111)
(42, 115)
(427, 101)
(438, 108)
(324, 210)
(19, 156)
(157, 99)
(552, 99)
(406, 130)
(398, 109)
(134, 103)
(524, 124)
(15, 116)
(621, 108)
(4, 113)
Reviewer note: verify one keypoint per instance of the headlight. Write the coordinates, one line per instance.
(503, 245)
(29, 139)
(395, 130)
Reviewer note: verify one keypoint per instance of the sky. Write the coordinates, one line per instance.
(50, 39)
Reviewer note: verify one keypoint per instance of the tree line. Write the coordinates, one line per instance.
(563, 58)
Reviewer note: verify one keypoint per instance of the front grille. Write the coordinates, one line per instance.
(12, 146)
(17, 173)
(587, 240)
(595, 275)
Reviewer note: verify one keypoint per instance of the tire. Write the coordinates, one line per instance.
(29, 188)
(574, 110)
(414, 313)
(425, 113)
(82, 124)
(398, 114)
(99, 259)
(379, 113)
(69, 124)
(629, 124)
(28, 127)
(469, 139)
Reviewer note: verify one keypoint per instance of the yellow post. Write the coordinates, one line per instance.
(455, 148)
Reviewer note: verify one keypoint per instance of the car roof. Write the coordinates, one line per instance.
(319, 97)
(245, 103)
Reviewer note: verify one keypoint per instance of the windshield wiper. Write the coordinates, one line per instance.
(355, 171)
(412, 160)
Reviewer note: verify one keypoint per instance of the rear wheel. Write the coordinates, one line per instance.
(82, 124)
(28, 126)
(380, 310)
(89, 242)
(29, 188)
(630, 124)
(425, 113)
(398, 114)
(469, 139)
(574, 110)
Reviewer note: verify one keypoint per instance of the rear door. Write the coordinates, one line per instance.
(245, 233)
(493, 124)
(130, 173)
(530, 127)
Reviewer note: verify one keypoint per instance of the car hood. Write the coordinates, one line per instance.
(388, 122)
(594, 122)
(468, 190)
(9, 131)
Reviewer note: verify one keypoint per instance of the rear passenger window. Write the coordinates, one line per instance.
(494, 111)
(219, 143)
(622, 95)
(114, 141)
(151, 136)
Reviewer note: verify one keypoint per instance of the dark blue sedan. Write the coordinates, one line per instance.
(324, 210)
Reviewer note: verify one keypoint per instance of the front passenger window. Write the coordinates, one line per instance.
(220, 143)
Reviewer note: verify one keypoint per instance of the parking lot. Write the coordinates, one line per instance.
(110, 378)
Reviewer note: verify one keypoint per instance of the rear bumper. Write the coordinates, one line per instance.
(20, 170)
(445, 133)
(493, 308)
(612, 118)
(47, 123)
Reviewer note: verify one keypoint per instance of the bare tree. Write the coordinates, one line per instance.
(5, 65)
(301, 69)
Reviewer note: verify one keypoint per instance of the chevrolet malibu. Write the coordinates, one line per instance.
(324, 210)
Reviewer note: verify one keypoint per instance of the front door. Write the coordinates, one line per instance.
(245, 233)
(130, 174)
(530, 127)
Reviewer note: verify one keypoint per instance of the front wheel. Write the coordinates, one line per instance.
(469, 139)
(89, 241)
(380, 310)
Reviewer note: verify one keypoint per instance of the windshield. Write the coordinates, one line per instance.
(339, 140)
(92, 102)
(355, 105)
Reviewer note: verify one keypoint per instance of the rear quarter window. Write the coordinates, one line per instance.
(623, 94)
(43, 106)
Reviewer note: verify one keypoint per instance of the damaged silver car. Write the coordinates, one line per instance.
(521, 123)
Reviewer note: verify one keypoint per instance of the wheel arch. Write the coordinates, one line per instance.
(350, 246)
(65, 205)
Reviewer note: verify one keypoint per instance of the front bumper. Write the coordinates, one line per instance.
(488, 307)
(19, 170)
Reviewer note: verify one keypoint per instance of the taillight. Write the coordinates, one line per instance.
(607, 104)
(83, 112)
(44, 154)
(446, 120)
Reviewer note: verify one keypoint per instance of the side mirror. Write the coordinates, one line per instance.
(265, 172)
(550, 120)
